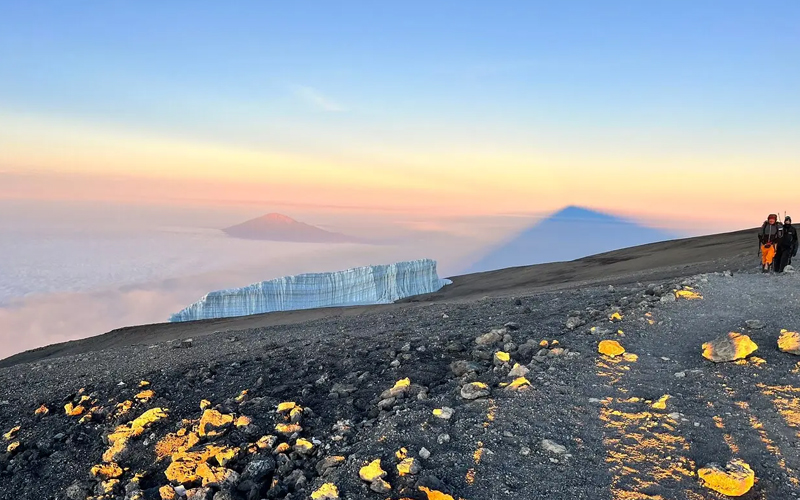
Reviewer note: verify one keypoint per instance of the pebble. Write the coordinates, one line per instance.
(443, 438)
(525, 451)
(424, 454)
(185, 343)
(755, 324)
(553, 447)
(680, 374)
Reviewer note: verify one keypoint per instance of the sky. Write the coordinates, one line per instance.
(669, 110)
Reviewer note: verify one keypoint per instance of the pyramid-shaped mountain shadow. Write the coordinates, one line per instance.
(569, 234)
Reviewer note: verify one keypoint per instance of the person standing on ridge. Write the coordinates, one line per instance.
(787, 246)
(768, 237)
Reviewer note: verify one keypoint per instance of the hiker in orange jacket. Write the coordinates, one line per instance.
(768, 237)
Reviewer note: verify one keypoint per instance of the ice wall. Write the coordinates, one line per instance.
(381, 284)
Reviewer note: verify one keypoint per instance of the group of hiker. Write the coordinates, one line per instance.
(777, 244)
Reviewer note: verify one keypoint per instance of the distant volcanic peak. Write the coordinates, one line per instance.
(279, 227)
(276, 217)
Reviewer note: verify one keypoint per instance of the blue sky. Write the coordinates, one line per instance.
(612, 80)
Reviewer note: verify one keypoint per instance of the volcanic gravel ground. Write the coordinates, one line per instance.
(615, 444)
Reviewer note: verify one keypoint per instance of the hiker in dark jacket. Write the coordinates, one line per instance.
(787, 246)
(768, 237)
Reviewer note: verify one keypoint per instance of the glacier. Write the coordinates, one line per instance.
(378, 284)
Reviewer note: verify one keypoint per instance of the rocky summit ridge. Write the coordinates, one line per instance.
(597, 392)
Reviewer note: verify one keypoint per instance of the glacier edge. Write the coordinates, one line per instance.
(377, 284)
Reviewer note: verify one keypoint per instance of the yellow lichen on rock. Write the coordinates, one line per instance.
(402, 453)
(616, 316)
(408, 466)
(401, 384)
(13, 447)
(282, 448)
(729, 347)
(167, 493)
(295, 415)
(734, 480)
(107, 471)
(610, 348)
(327, 491)
(120, 436)
(286, 406)
(266, 442)
(122, 408)
(372, 471)
(177, 442)
(204, 404)
(8, 436)
(213, 476)
(145, 396)
(544, 344)
(213, 423)
(143, 383)
(108, 486)
(688, 294)
(185, 466)
(789, 342)
(303, 445)
(242, 397)
(502, 357)
(630, 357)
(287, 429)
(435, 494)
(73, 410)
(42, 410)
(661, 404)
(242, 421)
(518, 383)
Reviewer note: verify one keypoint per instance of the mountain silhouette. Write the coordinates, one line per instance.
(279, 227)
(571, 233)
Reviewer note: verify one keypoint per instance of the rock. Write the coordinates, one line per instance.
(424, 453)
(668, 298)
(386, 404)
(395, 363)
(445, 412)
(525, 451)
(490, 338)
(610, 348)
(556, 351)
(327, 491)
(573, 322)
(501, 358)
(463, 367)
(789, 342)
(680, 374)
(408, 466)
(511, 326)
(729, 347)
(199, 494)
(474, 390)
(734, 480)
(789, 269)
(443, 438)
(259, 469)
(223, 495)
(329, 463)
(76, 492)
(380, 486)
(553, 447)
(755, 324)
(518, 371)
(185, 343)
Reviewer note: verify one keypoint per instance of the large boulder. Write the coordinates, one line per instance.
(729, 347)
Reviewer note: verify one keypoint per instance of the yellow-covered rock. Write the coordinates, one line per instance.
(287, 429)
(372, 471)
(610, 348)
(789, 342)
(107, 471)
(73, 410)
(661, 404)
(688, 294)
(327, 491)
(408, 466)
(177, 442)
(42, 410)
(729, 347)
(120, 436)
(8, 436)
(213, 423)
(435, 494)
(286, 406)
(167, 493)
(501, 357)
(734, 480)
(519, 383)
(145, 396)
(303, 446)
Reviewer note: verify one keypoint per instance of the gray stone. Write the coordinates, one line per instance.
(669, 297)
(76, 492)
(424, 453)
(553, 447)
(386, 404)
(462, 367)
(446, 413)
(380, 486)
(755, 324)
(573, 322)
(474, 390)
(518, 371)
(259, 469)
(490, 338)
